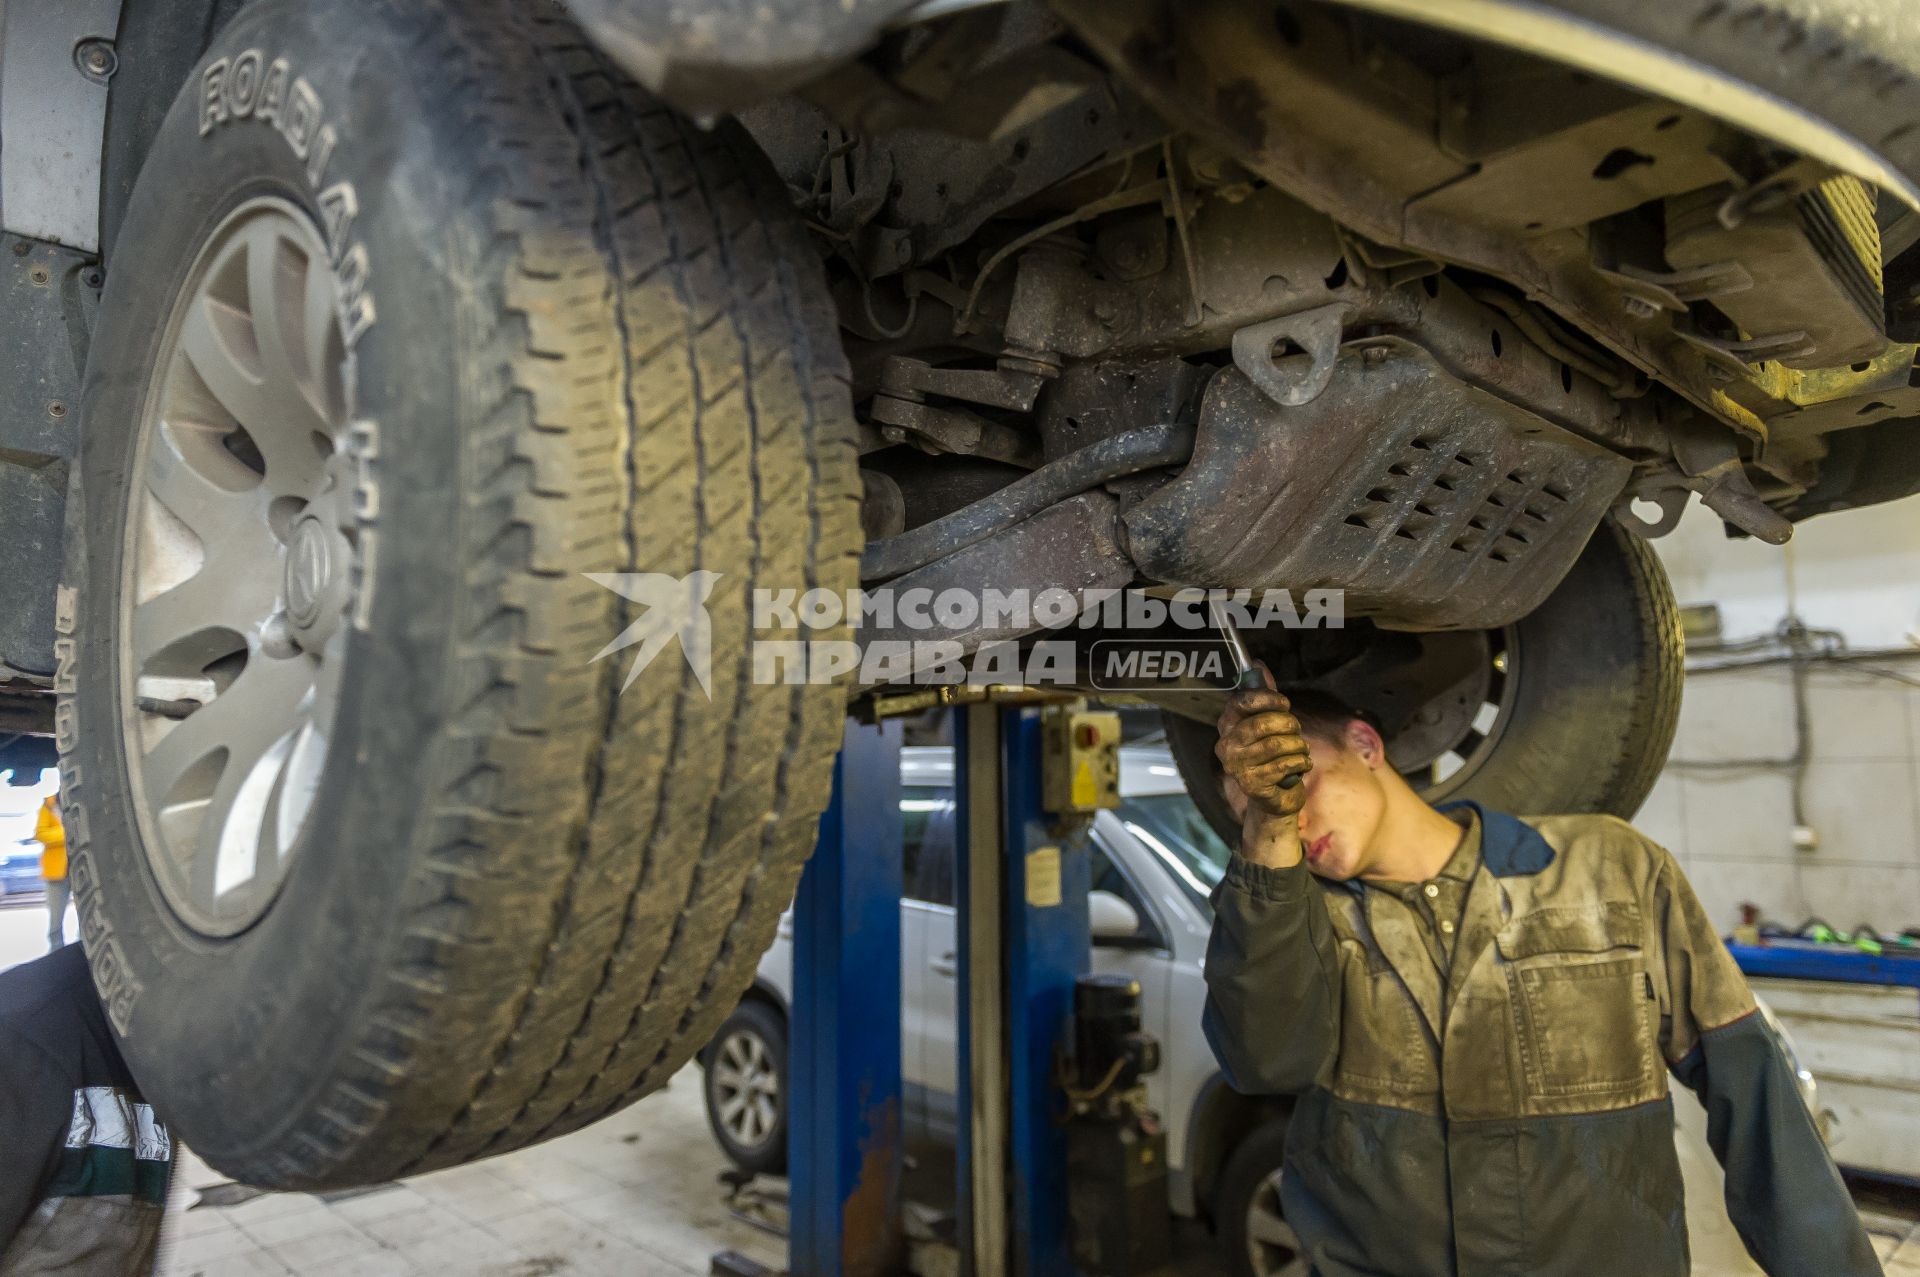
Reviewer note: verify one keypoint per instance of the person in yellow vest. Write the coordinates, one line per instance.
(52, 837)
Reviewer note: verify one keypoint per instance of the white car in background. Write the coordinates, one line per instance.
(1155, 861)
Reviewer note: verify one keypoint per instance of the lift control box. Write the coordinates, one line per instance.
(1080, 759)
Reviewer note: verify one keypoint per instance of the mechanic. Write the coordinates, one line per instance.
(1478, 1015)
(84, 1163)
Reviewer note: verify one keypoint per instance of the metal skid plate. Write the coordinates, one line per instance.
(1069, 546)
(1434, 505)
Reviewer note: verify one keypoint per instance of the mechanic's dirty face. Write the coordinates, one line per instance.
(1345, 803)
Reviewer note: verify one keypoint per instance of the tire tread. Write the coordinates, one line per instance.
(653, 365)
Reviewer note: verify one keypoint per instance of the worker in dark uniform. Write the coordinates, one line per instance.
(1478, 1015)
(84, 1162)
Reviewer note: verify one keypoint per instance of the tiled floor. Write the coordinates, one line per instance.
(1900, 1258)
(637, 1194)
(1892, 1217)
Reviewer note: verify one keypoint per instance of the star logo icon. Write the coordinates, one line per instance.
(675, 606)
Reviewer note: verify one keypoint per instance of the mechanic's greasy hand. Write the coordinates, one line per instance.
(1260, 745)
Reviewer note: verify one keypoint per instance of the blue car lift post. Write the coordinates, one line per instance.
(1023, 939)
(1023, 935)
(844, 1132)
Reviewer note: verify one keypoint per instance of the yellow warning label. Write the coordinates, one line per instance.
(1086, 793)
(1043, 877)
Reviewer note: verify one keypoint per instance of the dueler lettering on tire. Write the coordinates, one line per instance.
(118, 987)
(380, 871)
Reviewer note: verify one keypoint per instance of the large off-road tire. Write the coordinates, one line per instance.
(527, 325)
(1575, 713)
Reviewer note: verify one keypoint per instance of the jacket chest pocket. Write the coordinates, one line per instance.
(1582, 1002)
(1384, 1047)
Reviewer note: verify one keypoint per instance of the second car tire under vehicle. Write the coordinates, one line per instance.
(1585, 697)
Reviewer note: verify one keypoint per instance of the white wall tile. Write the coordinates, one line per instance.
(1744, 816)
(1863, 811)
(1857, 572)
(1913, 722)
(1848, 895)
(1728, 714)
(1662, 817)
(1852, 571)
(1724, 885)
(1855, 715)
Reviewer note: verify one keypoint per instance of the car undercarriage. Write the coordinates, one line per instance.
(1433, 308)
(1306, 296)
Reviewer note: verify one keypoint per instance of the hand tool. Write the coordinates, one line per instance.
(1247, 675)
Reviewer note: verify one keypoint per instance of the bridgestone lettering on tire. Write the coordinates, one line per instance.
(579, 335)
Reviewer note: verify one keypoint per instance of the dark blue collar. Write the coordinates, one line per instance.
(1508, 847)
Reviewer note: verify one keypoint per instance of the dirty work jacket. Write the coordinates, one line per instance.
(1530, 1133)
(83, 1161)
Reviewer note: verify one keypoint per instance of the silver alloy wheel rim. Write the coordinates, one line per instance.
(1272, 1248)
(238, 568)
(746, 1089)
(1470, 730)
